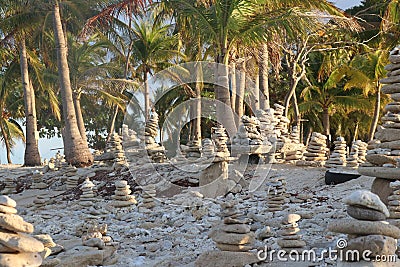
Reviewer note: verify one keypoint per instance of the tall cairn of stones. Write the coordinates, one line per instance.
(295, 149)
(316, 151)
(362, 151)
(233, 238)
(220, 138)
(248, 133)
(394, 200)
(18, 249)
(338, 156)
(282, 130)
(194, 149)
(87, 198)
(154, 150)
(207, 149)
(267, 130)
(367, 230)
(384, 150)
(72, 177)
(289, 239)
(276, 194)
(123, 197)
(352, 159)
(117, 150)
(129, 137)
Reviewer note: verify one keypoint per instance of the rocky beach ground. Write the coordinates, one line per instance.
(175, 232)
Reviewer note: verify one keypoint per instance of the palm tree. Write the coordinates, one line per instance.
(75, 149)
(153, 47)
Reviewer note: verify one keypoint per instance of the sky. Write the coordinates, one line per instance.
(48, 147)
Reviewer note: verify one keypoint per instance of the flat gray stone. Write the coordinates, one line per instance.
(356, 227)
(366, 199)
(20, 260)
(365, 214)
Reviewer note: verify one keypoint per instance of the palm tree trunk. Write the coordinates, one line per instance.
(375, 119)
(197, 109)
(146, 96)
(256, 92)
(79, 117)
(241, 90)
(76, 152)
(32, 156)
(325, 121)
(112, 123)
(6, 143)
(263, 71)
(232, 75)
(224, 108)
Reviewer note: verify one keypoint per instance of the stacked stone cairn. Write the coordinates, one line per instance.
(220, 138)
(87, 198)
(316, 150)
(362, 151)
(267, 124)
(18, 249)
(276, 194)
(207, 149)
(123, 197)
(283, 124)
(129, 137)
(295, 135)
(149, 194)
(72, 177)
(295, 149)
(367, 230)
(37, 180)
(233, 234)
(248, 133)
(352, 159)
(289, 239)
(96, 236)
(384, 150)
(40, 202)
(338, 156)
(394, 200)
(9, 186)
(154, 150)
(193, 150)
(115, 147)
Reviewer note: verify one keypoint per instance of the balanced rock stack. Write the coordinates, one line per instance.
(17, 248)
(60, 161)
(367, 229)
(115, 147)
(362, 151)
(316, 150)
(295, 135)
(219, 137)
(193, 150)
(233, 234)
(123, 197)
(233, 238)
(88, 197)
(394, 200)
(72, 177)
(207, 149)
(155, 151)
(338, 156)
(276, 194)
(352, 159)
(149, 194)
(37, 180)
(267, 124)
(9, 186)
(248, 133)
(289, 239)
(129, 137)
(283, 123)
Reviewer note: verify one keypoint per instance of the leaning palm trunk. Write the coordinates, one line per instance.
(375, 119)
(146, 95)
(79, 117)
(224, 108)
(75, 150)
(232, 76)
(263, 76)
(6, 140)
(32, 156)
(241, 90)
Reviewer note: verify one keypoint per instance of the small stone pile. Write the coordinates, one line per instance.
(193, 150)
(96, 236)
(367, 229)
(276, 194)
(352, 159)
(248, 133)
(267, 124)
(219, 137)
(123, 197)
(338, 156)
(155, 151)
(283, 123)
(115, 147)
(9, 186)
(207, 149)
(362, 151)
(72, 179)
(394, 200)
(289, 239)
(149, 194)
(129, 137)
(295, 135)
(88, 197)
(233, 234)
(17, 247)
(60, 161)
(37, 180)
(316, 150)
